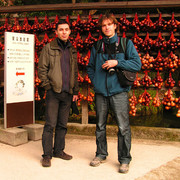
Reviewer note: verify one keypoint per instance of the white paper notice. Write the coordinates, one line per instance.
(19, 67)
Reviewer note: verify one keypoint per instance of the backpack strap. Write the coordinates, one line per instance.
(98, 46)
(121, 40)
(124, 42)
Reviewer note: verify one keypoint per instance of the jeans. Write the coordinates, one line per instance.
(119, 104)
(57, 113)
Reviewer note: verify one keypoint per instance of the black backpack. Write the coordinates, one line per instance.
(126, 78)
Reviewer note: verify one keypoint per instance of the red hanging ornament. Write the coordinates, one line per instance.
(147, 25)
(124, 35)
(146, 80)
(36, 58)
(89, 41)
(124, 23)
(147, 61)
(87, 79)
(1, 47)
(145, 98)
(80, 78)
(80, 98)
(172, 62)
(147, 43)
(136, 83)
(156, 100)
(90, 96)
(37, 80)
(38, 44)
(53, 24)
(26, 27)
(137, 41)
(177, 101)
(160, 42)
(36, 27)
(83, 61)
(135, 24)
(37, 97)
(159, 62)
(45, 40)
(169, 82)
(46, 25)
(160, 24)
(157, 81)
(168, 100)
(68, 19)
(173, 43)
(133, 102)
(77, 26)
(6, 26)
(78, 43)
(172, 24)
(16, 27)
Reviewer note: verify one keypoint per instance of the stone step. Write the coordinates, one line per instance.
(19, 135)
(34, 131)
(13, 136)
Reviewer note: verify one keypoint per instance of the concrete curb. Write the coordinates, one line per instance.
(138, 132)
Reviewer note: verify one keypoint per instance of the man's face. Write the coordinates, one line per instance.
(63, 31)
(108, 28)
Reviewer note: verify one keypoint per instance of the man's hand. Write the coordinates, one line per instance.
(109, 64)
(75, 97)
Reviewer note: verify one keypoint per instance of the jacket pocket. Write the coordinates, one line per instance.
(54, 57)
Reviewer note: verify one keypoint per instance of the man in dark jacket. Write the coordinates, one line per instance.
(58, 73)
(109, 92)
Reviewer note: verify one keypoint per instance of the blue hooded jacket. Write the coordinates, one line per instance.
(104, 83)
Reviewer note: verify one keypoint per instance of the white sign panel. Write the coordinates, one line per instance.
(19, 67)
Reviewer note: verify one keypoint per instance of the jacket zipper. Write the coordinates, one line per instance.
(107, 85)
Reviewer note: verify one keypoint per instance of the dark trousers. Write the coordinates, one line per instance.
(119, 103)
(57, 113)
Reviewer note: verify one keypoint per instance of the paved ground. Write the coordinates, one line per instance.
(151, 160)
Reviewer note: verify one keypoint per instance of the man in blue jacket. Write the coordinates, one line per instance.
(108, 91)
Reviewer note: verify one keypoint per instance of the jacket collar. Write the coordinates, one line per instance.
(54, 44)
(111, 40)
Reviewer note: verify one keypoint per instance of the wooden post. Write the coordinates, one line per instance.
(85, 106)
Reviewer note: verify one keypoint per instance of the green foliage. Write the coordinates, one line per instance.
(75, 118)
(91, 106)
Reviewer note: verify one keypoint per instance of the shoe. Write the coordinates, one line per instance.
(97, 161)
(63, 155)
(46, 162)
(124, 168)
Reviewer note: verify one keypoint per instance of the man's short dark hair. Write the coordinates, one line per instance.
(62, 21)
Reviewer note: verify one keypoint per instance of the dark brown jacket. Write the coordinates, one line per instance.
(49, 68)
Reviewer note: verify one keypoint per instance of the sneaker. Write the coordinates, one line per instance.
(97, 161)
(46, 162)
(63, 155)
(124, 168)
